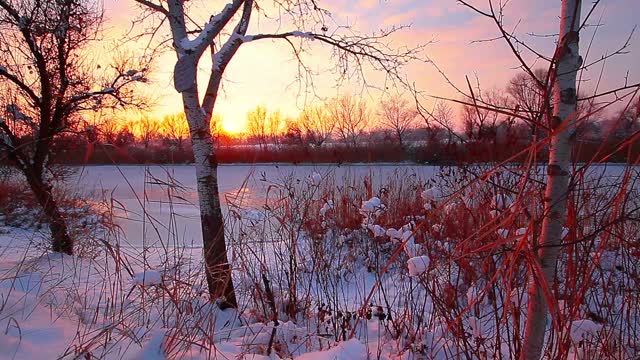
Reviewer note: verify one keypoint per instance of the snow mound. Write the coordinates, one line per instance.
(504, 233)
(584, 329)
(346, 350)
(326, 207)
(418, 265)
(316, 178)
(394, 234)
(377, 230)
(410, 247)
(371, 205)
(521, 231)
(147, 278)
(432, 194)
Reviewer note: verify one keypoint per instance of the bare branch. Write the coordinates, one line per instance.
(24, 87)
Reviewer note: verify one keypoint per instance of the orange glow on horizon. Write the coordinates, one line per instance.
(232, 127)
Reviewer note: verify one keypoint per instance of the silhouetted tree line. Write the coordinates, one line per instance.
(347, 129)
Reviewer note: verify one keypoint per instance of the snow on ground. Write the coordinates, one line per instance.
(53, 306)
(148, 305)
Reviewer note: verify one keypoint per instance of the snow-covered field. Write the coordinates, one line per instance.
(349, 262)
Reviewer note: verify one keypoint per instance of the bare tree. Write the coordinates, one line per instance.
(293, 134)
(108, 129)
(217, 130)
(396, 114)
(43, 62)
(147, 129)
(528, 97)
(442, 118)
(481, 124)
(626, 122)
(274, 126)
(351, 116)
(223, 39)
(258, 126)
(175, 127)
(316, 124)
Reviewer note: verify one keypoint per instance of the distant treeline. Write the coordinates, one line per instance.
(346, 130)
(75, 150)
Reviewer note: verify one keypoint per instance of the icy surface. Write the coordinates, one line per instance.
(432, 194)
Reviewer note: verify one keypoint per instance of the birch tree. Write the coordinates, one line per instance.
(44, 65)
(558, 104)
(528, 97)
(223, 34)
(564, 72)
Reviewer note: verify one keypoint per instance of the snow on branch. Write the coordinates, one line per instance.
(203, 37)
(211, 29)
(114, 89)
(306, 35)
(225, 55)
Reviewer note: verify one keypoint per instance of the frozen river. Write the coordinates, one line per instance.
(138, 190)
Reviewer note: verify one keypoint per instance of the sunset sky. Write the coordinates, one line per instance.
(263, 72)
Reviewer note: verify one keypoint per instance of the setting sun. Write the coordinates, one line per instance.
(233, 126)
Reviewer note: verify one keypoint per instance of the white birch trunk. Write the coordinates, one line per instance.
(558, 174)
(217, 268)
